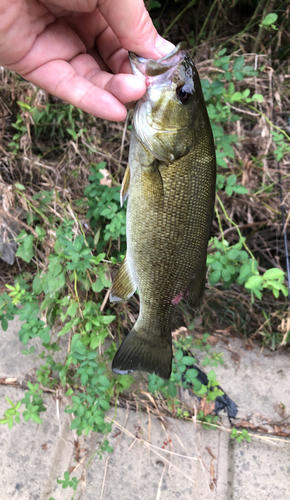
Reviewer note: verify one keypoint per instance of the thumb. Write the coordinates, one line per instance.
(131, 23)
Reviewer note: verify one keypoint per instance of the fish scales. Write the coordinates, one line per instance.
(169, 212)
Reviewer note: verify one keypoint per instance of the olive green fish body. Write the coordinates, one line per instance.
(170, 204)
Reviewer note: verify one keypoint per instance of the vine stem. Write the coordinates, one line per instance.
(76, 292)
(237, 228)
(220, 228)
(270, 122)
(31, 205)
(178, 16)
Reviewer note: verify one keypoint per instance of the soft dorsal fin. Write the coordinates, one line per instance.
(123, 286)
(125, 186)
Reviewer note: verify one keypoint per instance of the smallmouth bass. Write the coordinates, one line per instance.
(170, 185)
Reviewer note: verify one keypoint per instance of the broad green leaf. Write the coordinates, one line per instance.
(226, 274)
(245, 270)
(105, 320)
(98, 286)
(25, 250)
(103, 278)
(188, 360)
(68, 326)
(36, 418)
(240, 189)
(229, 190)
(270, 19)
(231, 180)
(214, 277)
(4, 324)
(233, 253)
(19, 186)
(254, 282)
(237, 96)
(37, 285)
(239, 63)
(76, 423)
(258, 97)
(274, 273)
(216, 266)
(72, 309)
(104, 381)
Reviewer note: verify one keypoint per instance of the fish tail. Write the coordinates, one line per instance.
(141, 351)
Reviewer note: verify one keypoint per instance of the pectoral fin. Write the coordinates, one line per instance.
(123, 286)
(125, 186)
(152, 183)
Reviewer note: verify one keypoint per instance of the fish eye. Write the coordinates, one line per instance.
(183, 93)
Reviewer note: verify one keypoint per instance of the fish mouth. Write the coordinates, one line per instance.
(145, 68)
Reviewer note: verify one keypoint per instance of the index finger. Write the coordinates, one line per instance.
(131, 23)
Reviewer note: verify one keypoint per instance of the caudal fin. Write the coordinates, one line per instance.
(144, 352)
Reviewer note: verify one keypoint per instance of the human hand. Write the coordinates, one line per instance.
(77, 49)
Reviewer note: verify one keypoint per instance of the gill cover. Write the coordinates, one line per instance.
(167, 107)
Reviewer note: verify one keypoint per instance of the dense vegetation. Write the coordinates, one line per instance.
(60, 175)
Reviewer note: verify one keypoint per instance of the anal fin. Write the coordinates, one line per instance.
(123, 286)
(125, 186)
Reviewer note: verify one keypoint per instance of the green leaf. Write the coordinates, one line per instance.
(25, 250)
(274, 273)
(4, 324)
(75, 423)
(217, 266)
(10, 402)
(270, 19)
(37, 285)
(104, 381)
(240, 189)
(105, 320)
(233, 254)
(179, 354)
(231, 180)
(239, 63)
(105, 405)
(103, 278)
(226, 274)
(72, 309)
(229, 190)
(237, 96)
(254, 282)
(257, 293)
(245, 270)
(98, 286)
(191, 373)
(68, 326)
(36, 418)
(188, 360)
(19, 186)
(214, 277)
(258, 97)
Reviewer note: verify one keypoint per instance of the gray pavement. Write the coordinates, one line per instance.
(154, 459)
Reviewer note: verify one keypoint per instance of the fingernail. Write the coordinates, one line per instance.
(163, 46)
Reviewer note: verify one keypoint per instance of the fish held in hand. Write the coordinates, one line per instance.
(170, 185)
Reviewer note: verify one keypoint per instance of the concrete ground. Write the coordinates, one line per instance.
(154, 459)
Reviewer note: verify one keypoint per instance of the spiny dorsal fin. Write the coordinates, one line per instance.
(123, 286)
(125, 186)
